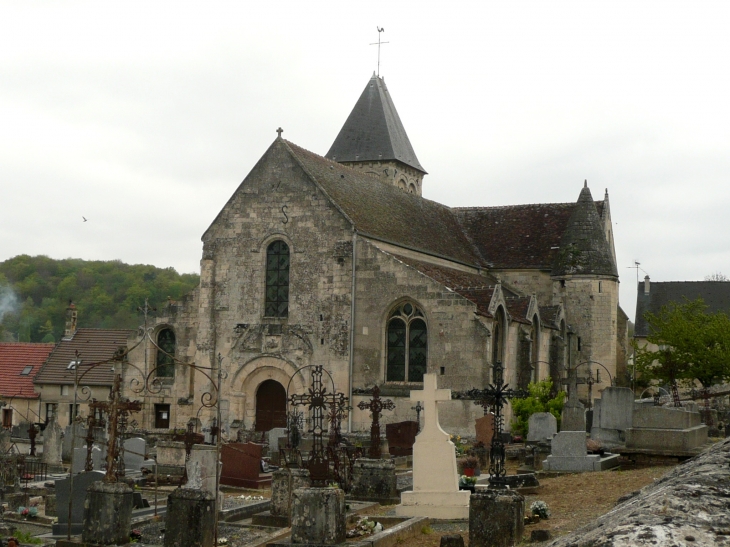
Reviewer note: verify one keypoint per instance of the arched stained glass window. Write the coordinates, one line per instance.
(165, 354)
(407, 345)
(277, 280)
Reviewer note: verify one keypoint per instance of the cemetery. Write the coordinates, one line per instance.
(104, 482)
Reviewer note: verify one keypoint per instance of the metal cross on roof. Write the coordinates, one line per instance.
(279, 132)
(379, 43)
(498, 392)
(117, 408)
(376, 405)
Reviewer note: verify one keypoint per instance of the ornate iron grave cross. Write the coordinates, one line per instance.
(376, 405)
(190, 438)
(498, 393)
(338, 412)
(418, 408)
(317, 400)
(117, 408)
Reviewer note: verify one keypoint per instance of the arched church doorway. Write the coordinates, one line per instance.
(270, 405)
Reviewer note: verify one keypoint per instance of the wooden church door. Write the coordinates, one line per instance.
(270, 406)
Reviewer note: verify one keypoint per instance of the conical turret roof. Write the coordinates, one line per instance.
(584, 249)
(373, 131)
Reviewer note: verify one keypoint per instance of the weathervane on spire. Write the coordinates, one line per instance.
(378, 43)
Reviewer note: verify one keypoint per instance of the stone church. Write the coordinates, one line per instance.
(338, 260)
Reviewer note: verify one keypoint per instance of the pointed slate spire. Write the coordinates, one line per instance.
(584, 249)
(373, 131)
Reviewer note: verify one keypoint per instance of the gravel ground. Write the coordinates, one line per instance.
(153, 534)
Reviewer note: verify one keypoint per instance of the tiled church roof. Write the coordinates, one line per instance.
(373, 130)
(385, 212)
(583, 247)
(523, 236)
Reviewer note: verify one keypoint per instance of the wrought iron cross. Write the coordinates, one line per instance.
(376, 405)
(418, 408)
(498, 392)
(317, 401)
(190, 438)
(338, 412)
(117, 408)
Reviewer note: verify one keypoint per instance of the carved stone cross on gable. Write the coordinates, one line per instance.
(376, 405)
(117, 408)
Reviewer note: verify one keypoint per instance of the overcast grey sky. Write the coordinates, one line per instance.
(145, 116)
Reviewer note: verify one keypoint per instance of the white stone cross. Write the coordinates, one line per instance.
(430, 396)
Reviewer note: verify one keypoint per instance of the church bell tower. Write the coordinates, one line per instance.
(374, 140)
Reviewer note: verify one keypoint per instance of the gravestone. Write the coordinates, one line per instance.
(318, 516)
(569, 454)
(107, 513)
(401, 436)
(135, 450)
(5, 441)
(190, 517)
(436, 491)
(484, 427)
(81, 484)
(242, 466)
(284, 481)
(79, 460)
(374, 480)
(52, 446)
(496, 518)
(73, 437)
(613, 414)
(274, 435)
(668, 430)
(541, 427)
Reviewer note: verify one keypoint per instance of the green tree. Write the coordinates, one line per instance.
(106, 294)
(539, 400)
(693, 345)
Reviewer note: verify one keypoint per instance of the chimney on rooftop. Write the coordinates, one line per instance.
(71, 316)
(646, 284)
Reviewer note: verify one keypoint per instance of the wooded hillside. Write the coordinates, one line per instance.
(35, 291)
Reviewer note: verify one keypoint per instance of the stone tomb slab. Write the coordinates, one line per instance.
(242, 466)
(541, 427)
(569, 454)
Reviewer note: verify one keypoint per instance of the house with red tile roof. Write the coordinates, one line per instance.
(19, 364)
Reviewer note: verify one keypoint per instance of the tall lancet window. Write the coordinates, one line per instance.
(277, 280)
(407, 344)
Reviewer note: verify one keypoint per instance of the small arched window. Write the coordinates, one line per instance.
(277, 280)
(407, 344)
(165, 354)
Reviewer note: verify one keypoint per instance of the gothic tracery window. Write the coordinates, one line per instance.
(165, 354)
(277, 280)
(407, 344)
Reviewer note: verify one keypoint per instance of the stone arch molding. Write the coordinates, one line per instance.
(252, 374)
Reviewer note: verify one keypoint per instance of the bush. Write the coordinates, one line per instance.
(538, 401)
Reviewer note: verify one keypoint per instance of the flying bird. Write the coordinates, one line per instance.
(85, 220)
